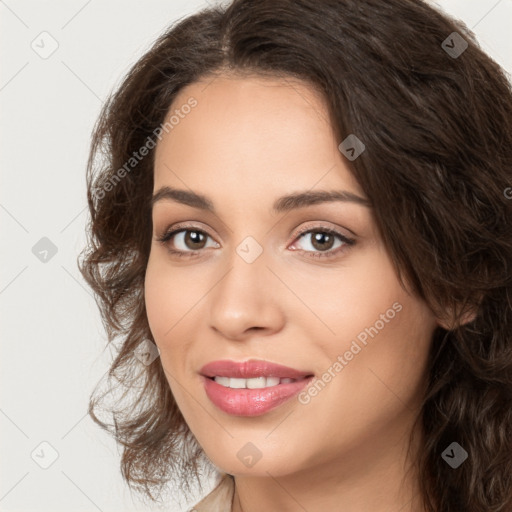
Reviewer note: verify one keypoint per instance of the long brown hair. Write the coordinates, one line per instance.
(437, 127)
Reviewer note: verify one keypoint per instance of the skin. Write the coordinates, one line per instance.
(249, 141)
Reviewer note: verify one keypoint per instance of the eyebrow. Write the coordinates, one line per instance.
(282, 204)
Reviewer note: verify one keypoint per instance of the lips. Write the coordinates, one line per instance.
(237, 388)
(251, 369)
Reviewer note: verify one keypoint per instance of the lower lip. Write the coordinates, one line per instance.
(251, 402)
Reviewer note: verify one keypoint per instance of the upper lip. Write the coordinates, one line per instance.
(250, 369)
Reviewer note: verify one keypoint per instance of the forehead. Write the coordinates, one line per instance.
(262, 134)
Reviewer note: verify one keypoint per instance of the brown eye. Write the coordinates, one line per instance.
(194, 239)
(323, 242)
(184, 241)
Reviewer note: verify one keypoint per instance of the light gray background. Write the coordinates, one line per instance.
(52, 338)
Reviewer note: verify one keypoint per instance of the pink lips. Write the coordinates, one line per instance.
(251, 402)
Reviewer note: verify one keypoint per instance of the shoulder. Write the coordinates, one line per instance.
(220, 499)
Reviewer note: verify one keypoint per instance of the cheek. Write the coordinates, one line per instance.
(169, 309)
(175, 298)
(159, 298)
(376, 326)
(167, 299)
(351, 298)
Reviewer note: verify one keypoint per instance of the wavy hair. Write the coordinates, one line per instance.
(437, 167)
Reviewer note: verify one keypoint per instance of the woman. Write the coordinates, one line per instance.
(303, 212)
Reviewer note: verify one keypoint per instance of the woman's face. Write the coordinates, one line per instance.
(300, 283)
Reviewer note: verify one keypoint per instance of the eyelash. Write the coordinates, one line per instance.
(347, 242)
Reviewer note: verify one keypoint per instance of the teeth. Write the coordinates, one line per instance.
(272, 381)
(236, 383)
(254, 383)
(223, 381)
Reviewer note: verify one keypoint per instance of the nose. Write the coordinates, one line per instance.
(246, 300)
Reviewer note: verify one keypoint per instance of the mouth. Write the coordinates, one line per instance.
(253, 387)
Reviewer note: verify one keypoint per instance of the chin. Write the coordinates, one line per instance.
(258, 459)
